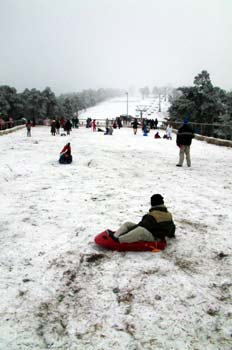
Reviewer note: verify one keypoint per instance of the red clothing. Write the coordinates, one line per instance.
(62, 121)
(66, 150)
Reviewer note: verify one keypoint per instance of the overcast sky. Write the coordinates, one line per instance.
(72, 45)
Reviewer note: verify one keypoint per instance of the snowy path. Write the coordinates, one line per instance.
(60, 291)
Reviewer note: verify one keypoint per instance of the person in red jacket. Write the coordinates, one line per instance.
(157, 135)
(65, 154)
(62, 122)
(94, 125)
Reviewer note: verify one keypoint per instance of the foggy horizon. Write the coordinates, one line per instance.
(90, 44)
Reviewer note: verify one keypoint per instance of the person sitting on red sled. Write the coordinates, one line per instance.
(155, 226)
(65, 154)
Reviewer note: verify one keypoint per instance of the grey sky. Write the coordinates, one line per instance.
(72, 45)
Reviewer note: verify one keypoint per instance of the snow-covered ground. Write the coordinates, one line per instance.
(61, 291)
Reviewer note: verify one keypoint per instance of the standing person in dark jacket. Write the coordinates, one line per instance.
(119, 123)
(57, 126)
(154, 226)
(53, 127)
(183, 140)
(68, 126)
(28, 126)
(156, 123)
(135, 124)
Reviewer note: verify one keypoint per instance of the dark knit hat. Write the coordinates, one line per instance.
(156, 199)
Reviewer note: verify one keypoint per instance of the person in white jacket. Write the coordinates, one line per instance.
(169, 132)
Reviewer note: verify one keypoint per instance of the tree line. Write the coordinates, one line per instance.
(165, 91)
(40, 105)
(207, 107)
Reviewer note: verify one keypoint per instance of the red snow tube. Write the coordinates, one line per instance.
(104, 240)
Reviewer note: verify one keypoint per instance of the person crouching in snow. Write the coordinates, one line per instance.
(145, 130)
(154, 226)
(109, 131)
(157, 135)
(65, 154)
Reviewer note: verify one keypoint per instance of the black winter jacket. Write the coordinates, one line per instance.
(184, 135)
(135, 124)
(159, 222)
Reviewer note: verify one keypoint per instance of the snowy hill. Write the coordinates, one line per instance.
(60, 291)
(117, 106)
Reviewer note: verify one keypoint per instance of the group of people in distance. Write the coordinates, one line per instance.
(184, 138)
(56, 124)
(144, 126)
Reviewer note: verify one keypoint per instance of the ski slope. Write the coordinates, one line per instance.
(60, 291)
